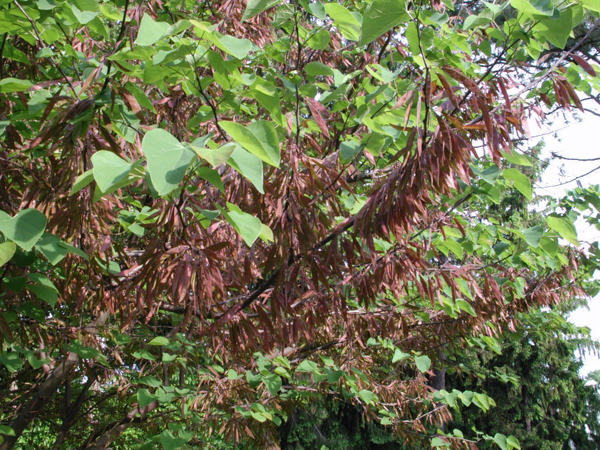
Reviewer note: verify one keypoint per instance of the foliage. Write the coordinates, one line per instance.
(334, 426)
(215, 212)
(540, 398)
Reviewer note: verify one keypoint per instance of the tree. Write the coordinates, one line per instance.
(215, 211)
(539, 395)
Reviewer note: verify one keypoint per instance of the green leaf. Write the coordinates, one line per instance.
(109, 170)
(564, 227)
(534, 7)
(259, 138)
(316, 68)
(143, 354)
(592, 5)
(159, 340)
(454, 247)
(466, 397)
(349, 150)
(144, 397)
(82, 181)
(533, 235)
(490, 174)
(549, 246)
(8, 85)
(50, 247)
(367, 396)
(150, 32)
(500, 439)
(438, 442)
(517, 158)
(170, 442)
(250, 166)
(319, 40)
(5, 429)
(233, 375)
(12, 361)
(423, 363)
(212, 176)
(513, 442)
(84, 351)
(520, 182)
(344, 21)
(258, 416)
(248, 226)
(556, 30)
(84, 17)
(25, 229)
(466, 307)
(151, 381)
(72, 249)
(268, 96)
(307, 366)
(380, 17)
(167, 358)
(255, 7)
(266, 234)
(168, 159)
(215, 156)
(399, 356)
(7, 250)
(273, 384)
(238, 48)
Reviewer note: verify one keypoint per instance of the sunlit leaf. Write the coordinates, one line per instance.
(380, 17)
(564, 227)
(168, 160)
(109, 170)
(423, 363)
(254, 7)
(25, 229)
(259, 138)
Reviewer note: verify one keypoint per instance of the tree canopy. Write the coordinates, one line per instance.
(212, 212)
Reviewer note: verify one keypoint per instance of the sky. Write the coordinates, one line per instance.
(574, 140)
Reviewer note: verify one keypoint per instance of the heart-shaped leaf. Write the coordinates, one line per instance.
(109, 170)
(25, 229)
(168, 160)
(150, 31)
(533, 235)
(273, 383)
(259, 138)
(423, 363)
(50, 247)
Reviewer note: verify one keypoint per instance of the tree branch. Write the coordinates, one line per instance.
(47, 390)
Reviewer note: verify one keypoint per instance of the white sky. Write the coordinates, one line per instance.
(575, 140)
